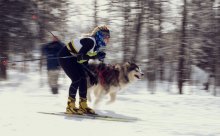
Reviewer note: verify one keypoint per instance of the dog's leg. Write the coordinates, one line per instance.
(112, 97)
(96, 91)
(89, 91)
(99, 93)
(92, 91)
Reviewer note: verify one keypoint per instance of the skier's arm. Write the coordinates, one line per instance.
(87, 44)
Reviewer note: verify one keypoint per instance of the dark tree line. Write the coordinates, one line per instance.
(15, 29)
(25, 25)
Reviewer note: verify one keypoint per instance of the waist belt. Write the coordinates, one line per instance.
(71, 48)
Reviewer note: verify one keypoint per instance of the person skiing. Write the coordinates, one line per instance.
(51, 50)
(74, 59)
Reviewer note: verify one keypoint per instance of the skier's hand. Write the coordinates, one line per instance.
(101, 56)
(81, 58)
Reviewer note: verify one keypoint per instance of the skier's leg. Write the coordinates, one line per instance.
(83, 94)
(53, 80)
(70, 67)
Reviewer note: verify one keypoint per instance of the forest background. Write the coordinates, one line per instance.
(170, 39)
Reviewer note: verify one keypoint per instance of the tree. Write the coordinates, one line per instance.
(138, 27)
(15, 33)
(181, 63)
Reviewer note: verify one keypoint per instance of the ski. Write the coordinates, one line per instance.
(91, 116)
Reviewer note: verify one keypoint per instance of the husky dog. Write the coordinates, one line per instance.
(112, 78)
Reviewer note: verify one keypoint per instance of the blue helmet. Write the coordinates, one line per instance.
(99, 37)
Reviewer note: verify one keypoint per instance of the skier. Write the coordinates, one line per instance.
(50, 50)
(81, 50)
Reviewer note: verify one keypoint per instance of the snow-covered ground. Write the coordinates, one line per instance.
(160, 114)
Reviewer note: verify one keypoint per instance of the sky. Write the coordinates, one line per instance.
(196, 113)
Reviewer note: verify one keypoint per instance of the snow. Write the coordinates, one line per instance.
(160, 114)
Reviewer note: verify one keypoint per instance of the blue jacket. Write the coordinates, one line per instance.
(51, 50)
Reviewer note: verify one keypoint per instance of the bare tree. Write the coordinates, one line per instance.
(95, 13)
(14, 30)
(151, 51)
(125, 43)
(181, 65)
(138, 27)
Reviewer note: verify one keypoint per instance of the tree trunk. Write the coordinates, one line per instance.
(3, 62)
(95, 13)
(181, 68)
(138, 29)
(151, 65)
(160, 54)
(126, 43)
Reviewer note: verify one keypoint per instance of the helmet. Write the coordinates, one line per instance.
(105, 31)
(100, 33)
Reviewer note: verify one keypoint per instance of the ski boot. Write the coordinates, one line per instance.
(84, 107)
(71, 108)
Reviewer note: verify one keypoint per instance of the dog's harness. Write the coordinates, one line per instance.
(101, 74)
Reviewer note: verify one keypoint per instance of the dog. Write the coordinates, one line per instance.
(112, 78)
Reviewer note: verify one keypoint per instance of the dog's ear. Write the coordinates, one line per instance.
(127, 64)
(117, 67)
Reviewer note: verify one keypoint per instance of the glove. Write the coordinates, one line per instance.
(82, 58)
(101, 56)
(93, 79)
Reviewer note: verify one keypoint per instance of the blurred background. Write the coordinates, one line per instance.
(176, 41)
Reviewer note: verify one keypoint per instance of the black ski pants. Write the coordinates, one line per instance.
(75, 72)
